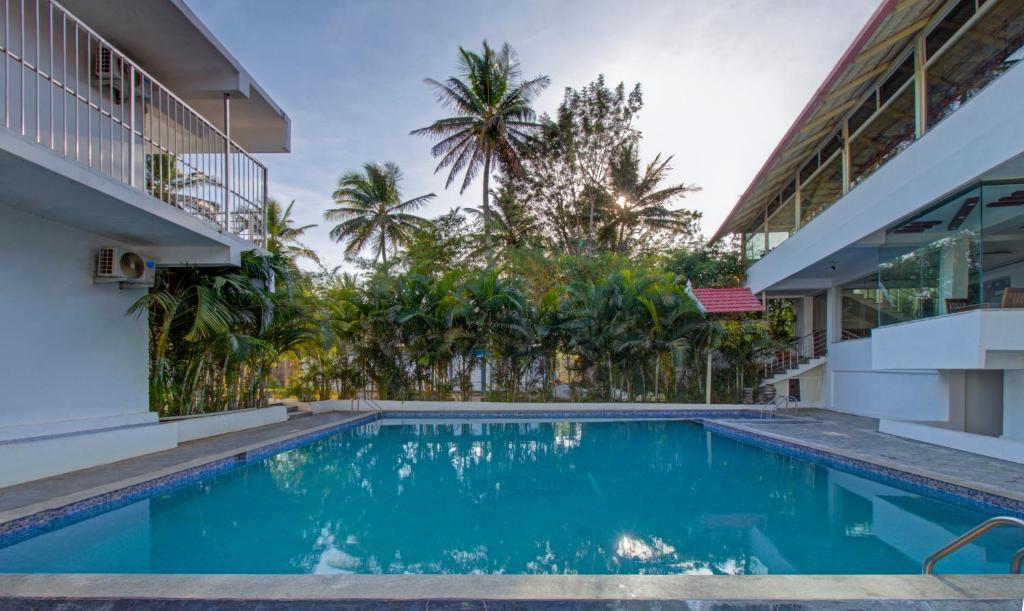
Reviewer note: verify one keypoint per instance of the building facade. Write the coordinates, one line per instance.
(124, 124)
(892, 215)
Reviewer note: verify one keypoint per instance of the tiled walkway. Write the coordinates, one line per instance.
(858, 437)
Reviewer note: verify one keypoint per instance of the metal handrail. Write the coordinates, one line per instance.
(971, 535)
(808, 346)
(782, 402)
(66, 87)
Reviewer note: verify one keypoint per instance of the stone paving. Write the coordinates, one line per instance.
(697, 592)
(858, 437)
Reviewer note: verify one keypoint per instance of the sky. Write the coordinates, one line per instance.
(722, 80)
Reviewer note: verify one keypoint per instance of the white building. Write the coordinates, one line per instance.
(123, 123)
(892, 214)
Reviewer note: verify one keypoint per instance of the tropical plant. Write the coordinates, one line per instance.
(372, 213)
(493, 120)
(283, 237)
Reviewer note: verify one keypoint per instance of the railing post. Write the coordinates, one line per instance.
(131, 127)
(227, 162)
(264, 230)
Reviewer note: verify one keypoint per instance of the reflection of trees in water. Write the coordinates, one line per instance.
(647, 497)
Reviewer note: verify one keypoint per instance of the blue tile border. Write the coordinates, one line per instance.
(26, 527)
(962, 496)
(751, 414)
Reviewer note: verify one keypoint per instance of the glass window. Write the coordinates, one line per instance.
(753, 245)
(859, 308)
(822, 190)
(782, 223)
(931, 264)
(885, 135)
(989, 48)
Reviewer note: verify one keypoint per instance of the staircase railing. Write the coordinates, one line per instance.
(812, 345)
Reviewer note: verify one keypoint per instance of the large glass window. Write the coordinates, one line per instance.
(984, 51)
(822, 190)
(932, 263)
(859, 308)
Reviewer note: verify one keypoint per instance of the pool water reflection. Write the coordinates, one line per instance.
(568, 497)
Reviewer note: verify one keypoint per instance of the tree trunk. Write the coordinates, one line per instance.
(590, 227)
(384, 246)
(487, 210)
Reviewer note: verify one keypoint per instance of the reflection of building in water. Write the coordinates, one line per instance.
(872, 520)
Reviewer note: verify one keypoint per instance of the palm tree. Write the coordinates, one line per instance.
(511, 222)
(642, 202)
(283, 237)
(493, 121)
(372, 211)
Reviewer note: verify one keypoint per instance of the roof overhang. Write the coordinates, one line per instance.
(170, 42)
(724, 301)
(868, 59)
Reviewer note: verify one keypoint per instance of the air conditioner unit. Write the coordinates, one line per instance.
(129, 269)
(109, 69)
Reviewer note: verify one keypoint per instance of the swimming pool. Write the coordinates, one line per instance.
(631, 497)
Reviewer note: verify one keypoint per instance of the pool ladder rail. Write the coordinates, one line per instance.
(360, 404)
(782, 402)
(929, 563)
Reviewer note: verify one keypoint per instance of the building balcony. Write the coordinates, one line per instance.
(66, 88)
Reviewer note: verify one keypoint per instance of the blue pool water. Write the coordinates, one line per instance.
(653, 497)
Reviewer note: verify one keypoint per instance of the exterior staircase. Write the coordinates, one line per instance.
(800, 356)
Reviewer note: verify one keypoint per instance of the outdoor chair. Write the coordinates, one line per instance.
(1013, 298)
(956, 304)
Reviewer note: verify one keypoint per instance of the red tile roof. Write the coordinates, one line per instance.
(727, 301)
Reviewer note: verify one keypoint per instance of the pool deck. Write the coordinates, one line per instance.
(835, 433)
(858, 437)
(624, 592)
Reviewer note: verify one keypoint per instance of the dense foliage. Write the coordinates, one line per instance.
(567, 283)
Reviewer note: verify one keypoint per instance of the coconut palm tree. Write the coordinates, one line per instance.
(492, 123)
(283, 237)
(372, 211)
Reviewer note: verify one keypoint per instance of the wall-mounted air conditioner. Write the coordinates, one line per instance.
(129, 269)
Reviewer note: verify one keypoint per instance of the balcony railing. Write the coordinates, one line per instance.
(63, 86)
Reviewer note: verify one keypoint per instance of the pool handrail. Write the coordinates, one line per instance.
(929, 563)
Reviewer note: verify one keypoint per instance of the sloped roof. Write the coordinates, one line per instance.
(870, 58)
(726, 301)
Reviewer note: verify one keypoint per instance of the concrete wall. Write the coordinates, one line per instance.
(853, 386)
(209, 425)
(71, 359)
(24, 461)
(979, 339)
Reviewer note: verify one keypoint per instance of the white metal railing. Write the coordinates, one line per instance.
(791, 356)
(65, 87)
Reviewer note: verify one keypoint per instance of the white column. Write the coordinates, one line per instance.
(1013, 403)
(953, 270)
